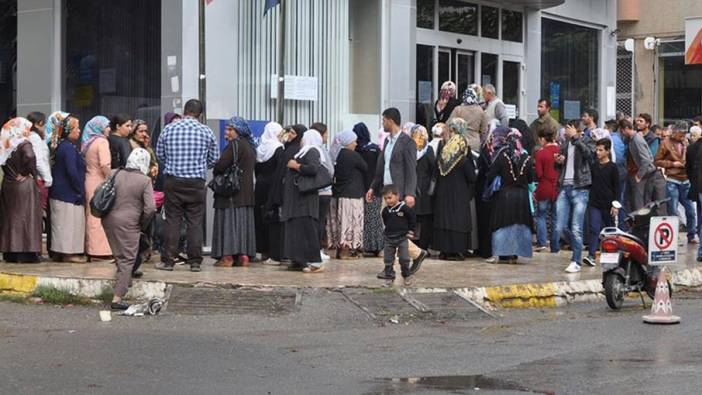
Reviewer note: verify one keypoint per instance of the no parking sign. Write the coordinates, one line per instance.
(663, 241)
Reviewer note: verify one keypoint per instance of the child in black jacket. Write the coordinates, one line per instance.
(400, 223)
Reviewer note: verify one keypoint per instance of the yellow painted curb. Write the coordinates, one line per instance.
(523, 295)
(17, 282)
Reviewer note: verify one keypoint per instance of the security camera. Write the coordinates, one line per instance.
(459, 40)
(651, 43)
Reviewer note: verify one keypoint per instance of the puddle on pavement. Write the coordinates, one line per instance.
(450, 384)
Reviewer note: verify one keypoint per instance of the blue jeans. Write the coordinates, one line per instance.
(598, 220)
(575, 200)
(699, 228)
(677, 192)
(543, 208)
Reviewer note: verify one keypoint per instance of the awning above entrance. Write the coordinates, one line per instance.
(536, 4)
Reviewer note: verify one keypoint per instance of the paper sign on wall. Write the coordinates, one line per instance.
(296, 87)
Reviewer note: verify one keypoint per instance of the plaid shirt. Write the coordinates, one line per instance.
(188, 148)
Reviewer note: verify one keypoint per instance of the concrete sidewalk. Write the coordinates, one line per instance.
(536, 282)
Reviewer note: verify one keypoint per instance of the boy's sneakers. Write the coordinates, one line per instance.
(590, 261)
(539, 248)
(417, 263)
(313, 269)
(387, 274)
(573, 267)
(409, 281)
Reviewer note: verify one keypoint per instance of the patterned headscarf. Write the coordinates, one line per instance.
(341, 140)
(170, 117)
(14, 132)
(513, 145)
(459, 125)
(364, 141)
(407, 128)
(452, 153)
(94, 129)
(52, 125)
(470, 97)
(242, 128)
(139, 159)
(421, 138)
(496, 140)
(270, 142)
(448, 90)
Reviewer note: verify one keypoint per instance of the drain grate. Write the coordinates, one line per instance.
(380, 304)
(446, 305)
(203, 301)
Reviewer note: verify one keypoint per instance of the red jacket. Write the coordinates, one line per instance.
(546, 173)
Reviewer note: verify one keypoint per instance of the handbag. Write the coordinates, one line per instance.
(228, 183)
(309, 184)
(104, 198)
(491, 189)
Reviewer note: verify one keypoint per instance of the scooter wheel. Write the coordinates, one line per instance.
(614, 291)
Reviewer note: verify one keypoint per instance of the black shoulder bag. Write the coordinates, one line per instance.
(104, 197)
(228, 183)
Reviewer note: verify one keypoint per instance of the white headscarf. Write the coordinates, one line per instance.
(313, 140)
(269, 142)
(340, 141)
(15, 132)
(139, 159)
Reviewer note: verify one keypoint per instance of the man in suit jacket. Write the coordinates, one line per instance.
(397, 165)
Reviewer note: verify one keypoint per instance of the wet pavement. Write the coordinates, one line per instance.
(473, 272)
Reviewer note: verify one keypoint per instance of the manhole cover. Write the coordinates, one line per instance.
(445, 305)
(380, 303)
(200, 301)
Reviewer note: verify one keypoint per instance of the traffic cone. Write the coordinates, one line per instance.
(662, 308)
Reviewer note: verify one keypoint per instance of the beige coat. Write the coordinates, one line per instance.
(477, 123)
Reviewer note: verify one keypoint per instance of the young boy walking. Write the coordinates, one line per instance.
(400, 223)
(605, 189)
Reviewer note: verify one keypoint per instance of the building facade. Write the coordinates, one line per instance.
(656, 80)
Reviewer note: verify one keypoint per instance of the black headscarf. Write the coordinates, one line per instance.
(363, 139)
(275, 196)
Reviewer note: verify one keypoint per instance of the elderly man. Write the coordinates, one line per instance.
(495, 108)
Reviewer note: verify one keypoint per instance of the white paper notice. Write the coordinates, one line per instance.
(175, 84)
(611, 102)
(571, 109)
(296, 87)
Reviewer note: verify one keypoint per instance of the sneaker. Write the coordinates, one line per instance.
(417, 263)
(590, 261)
(573, 267)
(163, 266)
(324, 256)
(491, 260)
(409, 281)
(384, 275)
(539, 248)
(195, 267)
(313, 269)
(692, 241)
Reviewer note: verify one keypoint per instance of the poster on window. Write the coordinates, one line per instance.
(693, 40)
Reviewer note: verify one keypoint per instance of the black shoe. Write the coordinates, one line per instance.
(138, 274)
(699, 259)
(119, 306)
(417, 263)
(386, 275)
(195, 267)
(163, 266)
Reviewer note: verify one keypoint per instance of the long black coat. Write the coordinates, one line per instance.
(296, 204)
(426, 169)
(452, 197)
(246, 159)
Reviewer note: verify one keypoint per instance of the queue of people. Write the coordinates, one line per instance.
(475, 185)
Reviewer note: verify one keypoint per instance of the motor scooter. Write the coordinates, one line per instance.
(624, 257)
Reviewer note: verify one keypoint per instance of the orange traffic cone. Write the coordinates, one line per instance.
(662, 308)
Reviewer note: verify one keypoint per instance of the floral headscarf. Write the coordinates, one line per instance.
(421, 138)
(14, 132)
(139, 159)
(448, 90)
(513, 146)
(270, 142)
(459, 125)
(53, 123)
(170, 117)
(94, 129)
(496, 140)
(470, 97)
(452, 153)
(242, 128)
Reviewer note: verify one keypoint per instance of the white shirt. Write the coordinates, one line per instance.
(41, 151)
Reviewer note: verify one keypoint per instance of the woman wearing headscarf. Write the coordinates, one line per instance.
(300, 211)
(20, 205)
(474, 116)
(494, 141)
(67, 194)
(454, 192)
(96, 150)
(373, 239)
(346, 210)
(446, 103)
(130, 216)
(269, 154)
(139, 137)
(511, 220)
(234, 232)
(426, 172)
(292, 137)
(41, 152)
(53, 123)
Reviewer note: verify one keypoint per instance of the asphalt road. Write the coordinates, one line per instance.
(330, 346)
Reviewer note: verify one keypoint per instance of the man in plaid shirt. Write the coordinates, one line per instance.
(188, 148)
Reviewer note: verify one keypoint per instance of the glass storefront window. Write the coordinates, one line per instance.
(425, 14)
(512, 25)
(458, 16)
(680, 95)
(465, 71)
(113, 58)
(569, 68)
(510, 83)
(8, 60)
(489, 22)
(488, 67)
(425, 86)
(444, 66)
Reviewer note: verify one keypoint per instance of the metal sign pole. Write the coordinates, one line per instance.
(279, 105)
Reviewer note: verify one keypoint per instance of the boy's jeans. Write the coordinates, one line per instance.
(677, 192)
(543, 208)
(598, 220)
(399, 245)
(575, 200)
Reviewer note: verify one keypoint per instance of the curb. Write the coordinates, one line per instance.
(518, 296)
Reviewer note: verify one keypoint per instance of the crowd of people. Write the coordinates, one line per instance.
(473, 183)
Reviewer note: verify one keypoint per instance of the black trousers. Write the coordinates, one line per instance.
(324, 202)
(184, 200)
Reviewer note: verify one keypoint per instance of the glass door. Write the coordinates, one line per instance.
(465, 71)
(511, 84)
(445, 69)
(8, 59)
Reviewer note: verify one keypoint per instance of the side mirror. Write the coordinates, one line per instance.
(616, 204)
